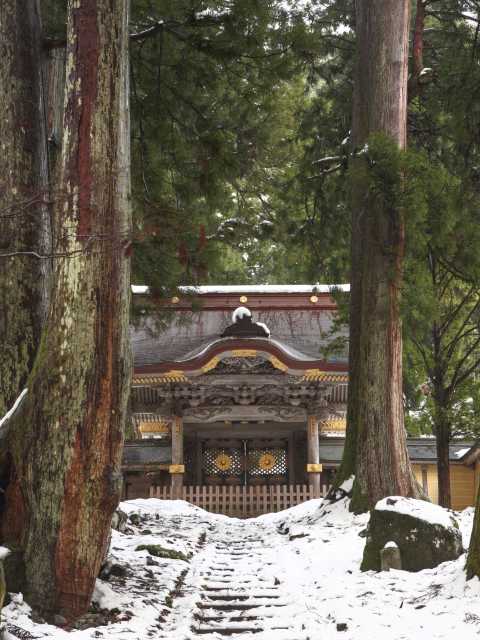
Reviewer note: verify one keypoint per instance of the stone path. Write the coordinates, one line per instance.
(231, 591)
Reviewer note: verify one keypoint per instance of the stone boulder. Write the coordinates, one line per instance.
(425, 533)
(119, 521)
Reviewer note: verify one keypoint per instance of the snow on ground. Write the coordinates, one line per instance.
(292, 575)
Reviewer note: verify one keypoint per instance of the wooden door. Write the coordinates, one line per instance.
(223, 462)
(266, 462)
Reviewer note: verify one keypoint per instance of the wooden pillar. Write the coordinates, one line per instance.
(177, 468)
(313, 455)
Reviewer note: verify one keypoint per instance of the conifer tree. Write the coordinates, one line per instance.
(66, 441)
(375, 404)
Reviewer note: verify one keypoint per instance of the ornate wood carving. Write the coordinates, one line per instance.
(244, 364)
(234, 384)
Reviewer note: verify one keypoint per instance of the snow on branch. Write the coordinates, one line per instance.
(9, 415)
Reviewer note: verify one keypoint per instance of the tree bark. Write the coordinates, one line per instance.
(443, 437)
(66, 478)
(24, 213)
(375, 411)
(414, 84)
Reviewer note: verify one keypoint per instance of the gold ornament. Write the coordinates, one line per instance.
(223, 462)
(267, 461)
(243, 299)
(313, 299)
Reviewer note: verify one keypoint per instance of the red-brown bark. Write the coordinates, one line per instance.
(414, 83)
(67, 453)
(375, 413)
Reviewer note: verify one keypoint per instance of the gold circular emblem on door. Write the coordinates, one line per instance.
(223, 462)
(267, 461)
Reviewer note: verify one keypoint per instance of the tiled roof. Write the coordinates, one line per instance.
(419, 449)
(331, 450)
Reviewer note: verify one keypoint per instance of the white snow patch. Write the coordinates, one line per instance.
(462, 452)
(390, 545)
(241, 312)
(139, 288)
(431, 513)
(347, 485)
(4, 552)
(310, 553)
(264, 326)
(105, 596)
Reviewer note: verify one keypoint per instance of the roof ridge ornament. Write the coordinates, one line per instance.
(244, 327)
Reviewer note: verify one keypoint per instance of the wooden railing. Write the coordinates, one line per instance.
(241, 501)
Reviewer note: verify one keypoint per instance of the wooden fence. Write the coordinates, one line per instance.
(242, 501)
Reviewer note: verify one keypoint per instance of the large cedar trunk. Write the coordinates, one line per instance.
(375, 396)
(24, 215)
(68, 442)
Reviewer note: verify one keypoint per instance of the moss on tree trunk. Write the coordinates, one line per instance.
(68, 444)
(24, 215)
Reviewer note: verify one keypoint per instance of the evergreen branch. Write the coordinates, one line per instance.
(449, 319)
(148, 32)
(424, 354)
(327, 160)
(459, 377)
(447, 264)
(460, 334)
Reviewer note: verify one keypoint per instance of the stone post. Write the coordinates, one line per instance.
(390, 557)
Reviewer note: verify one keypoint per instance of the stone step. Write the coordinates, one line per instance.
(235, 586)
(238, 606)
(227, 630)
(244, 595)
(206, 617)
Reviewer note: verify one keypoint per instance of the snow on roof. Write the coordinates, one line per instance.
(255, 288)
(264, 326)
(461, 452)
(432, 513)
(241, 312)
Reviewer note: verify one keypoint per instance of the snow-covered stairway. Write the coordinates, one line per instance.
(231, 591)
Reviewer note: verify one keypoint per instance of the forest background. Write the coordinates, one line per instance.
(242, 168)
(241, 116)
